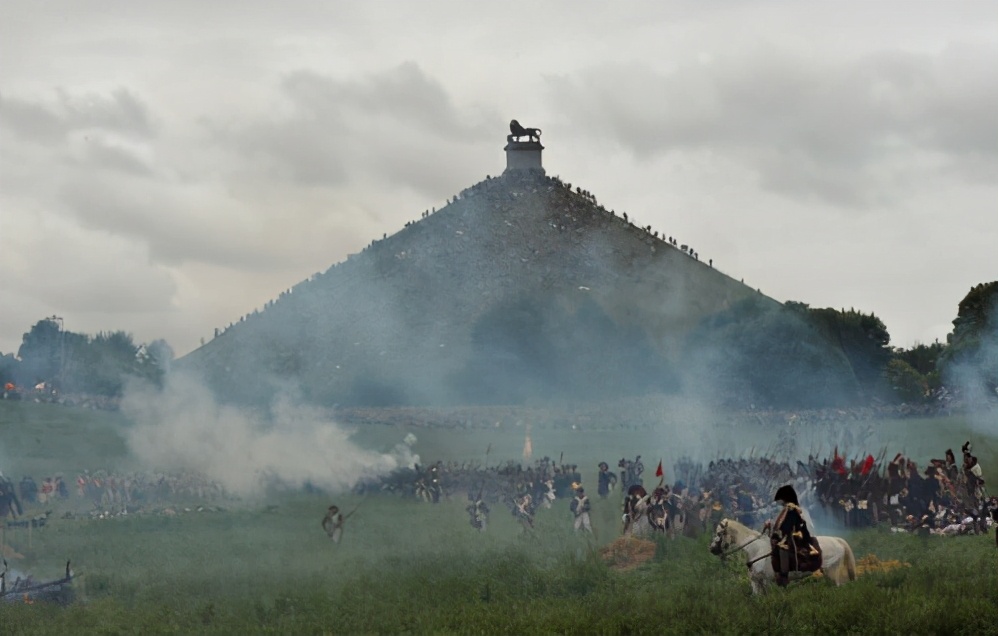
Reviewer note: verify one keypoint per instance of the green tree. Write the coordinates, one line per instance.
(970, 362)
(8, 369)
(42, 353)
(907, 382)
(765, 353)
(864, 340)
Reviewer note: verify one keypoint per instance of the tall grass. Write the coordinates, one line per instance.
(407, 567)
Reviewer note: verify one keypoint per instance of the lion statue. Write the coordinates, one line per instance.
(533, 134)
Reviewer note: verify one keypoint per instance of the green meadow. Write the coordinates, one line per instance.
(265, 566)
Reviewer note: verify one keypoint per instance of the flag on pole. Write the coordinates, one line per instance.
(658, 471)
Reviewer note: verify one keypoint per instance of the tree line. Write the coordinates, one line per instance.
(74, 363)
(756, 351)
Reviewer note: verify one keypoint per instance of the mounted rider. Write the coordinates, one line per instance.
(794, 548)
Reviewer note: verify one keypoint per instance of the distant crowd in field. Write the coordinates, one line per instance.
(105, 492)
(947, 497)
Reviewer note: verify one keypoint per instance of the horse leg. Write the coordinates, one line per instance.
(850, 563)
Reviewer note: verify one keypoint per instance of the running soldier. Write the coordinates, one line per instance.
(332, 523)
(580, 508)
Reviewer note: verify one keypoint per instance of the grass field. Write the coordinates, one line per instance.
(264, 565)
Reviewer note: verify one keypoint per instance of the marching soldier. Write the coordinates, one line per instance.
(332, 523)
(580, 508)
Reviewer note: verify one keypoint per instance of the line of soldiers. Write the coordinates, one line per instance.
(108, 491)
(864, 491)
(947, 495)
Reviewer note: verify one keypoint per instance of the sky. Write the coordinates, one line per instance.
(167, 167)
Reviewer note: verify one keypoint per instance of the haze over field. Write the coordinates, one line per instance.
(182, 428)
(169, 167)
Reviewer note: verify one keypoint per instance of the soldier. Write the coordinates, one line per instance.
(658, 509)
(478, 512)
(9, 503)
(29, 490)
(332, 523)
(580, 508)
(523, 509)
(435, 486)
(793, 548)
(606, 480)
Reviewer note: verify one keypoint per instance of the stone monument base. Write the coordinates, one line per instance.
(524, 155)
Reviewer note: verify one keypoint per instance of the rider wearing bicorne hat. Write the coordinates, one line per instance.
(793, 548)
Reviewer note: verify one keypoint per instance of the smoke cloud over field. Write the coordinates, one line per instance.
(183, 428)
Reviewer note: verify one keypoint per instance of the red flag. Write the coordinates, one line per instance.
(838, 463)
(867, 466)
(658, 471)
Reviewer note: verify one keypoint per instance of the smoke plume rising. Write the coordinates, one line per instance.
(183, 428)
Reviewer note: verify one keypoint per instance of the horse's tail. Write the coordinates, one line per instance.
(850, 563)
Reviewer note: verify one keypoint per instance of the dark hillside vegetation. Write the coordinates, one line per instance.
(519, 290)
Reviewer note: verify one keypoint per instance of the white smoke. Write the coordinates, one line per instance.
(183, 428)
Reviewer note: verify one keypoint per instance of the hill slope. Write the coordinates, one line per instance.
(518, 291)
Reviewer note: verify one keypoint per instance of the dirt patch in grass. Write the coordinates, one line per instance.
(627, 553)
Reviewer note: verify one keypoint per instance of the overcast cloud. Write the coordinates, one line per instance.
(166, 167)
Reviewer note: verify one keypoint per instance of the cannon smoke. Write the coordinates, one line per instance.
(184, 428)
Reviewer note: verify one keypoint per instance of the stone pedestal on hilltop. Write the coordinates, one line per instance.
(524, 156)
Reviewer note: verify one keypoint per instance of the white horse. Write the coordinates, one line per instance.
(837, 561)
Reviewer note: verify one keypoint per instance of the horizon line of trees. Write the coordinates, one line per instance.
(967, 361)
(65, 362)
(783, 356)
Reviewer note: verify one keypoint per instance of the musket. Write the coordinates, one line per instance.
(355, 508)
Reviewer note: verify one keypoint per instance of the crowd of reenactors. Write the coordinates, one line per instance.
(107, 492)
(946, 496)
(521, 489)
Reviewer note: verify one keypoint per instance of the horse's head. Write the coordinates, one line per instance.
(722, 539)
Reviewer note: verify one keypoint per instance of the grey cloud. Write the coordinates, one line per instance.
(103, 155)
(30, 120)
(121, 112)
(405, 94)
(173, 230)
(400, 125)
(827, 128)
(88, 272)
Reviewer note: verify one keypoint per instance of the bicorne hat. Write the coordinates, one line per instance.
(787, 494)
